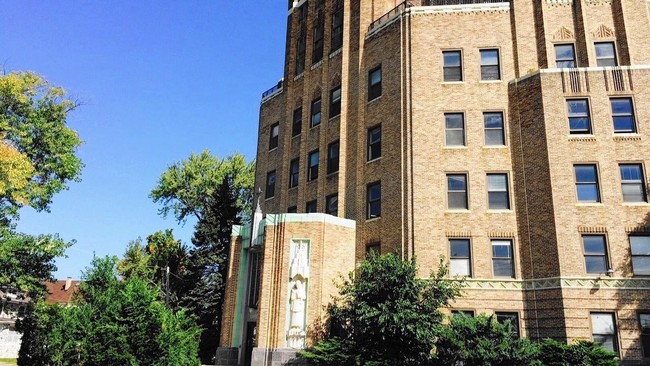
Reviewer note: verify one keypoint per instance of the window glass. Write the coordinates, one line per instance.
(603, 330)
(294, 173)
(460, 262)
(452, 66)
(502, 262)
(511, 318)
(270, 184)
(632, 183)
(374, 83)
(335, 102)
(498, 197)
(333, 157)
(312, 173)
(374, 200)
(605, 54)
(296, 126)
(644, 320)
(332, 205)
(493, 123)
(623, 115)
(587, 183)
(311, 206)
(374, 143)
(490, 65)
(565, 56)
(274, 137)
(315, 113)
(457, 191)
(337, 26)
(578, 110)
(454, 129)
(595, 254)
(640, 249)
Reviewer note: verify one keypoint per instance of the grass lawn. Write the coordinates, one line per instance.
(11, 361)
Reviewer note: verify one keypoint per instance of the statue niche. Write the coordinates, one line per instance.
(298, 274)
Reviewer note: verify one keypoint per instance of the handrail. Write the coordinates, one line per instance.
(392, 13)
(276, 88)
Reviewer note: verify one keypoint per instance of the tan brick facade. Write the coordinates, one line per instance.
(551, 289)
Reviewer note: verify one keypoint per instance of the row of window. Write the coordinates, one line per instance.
(331, 206)
(460, 258)
(565, 55)
(492, 125)
(580, 119)
(632, 183)
(502, 317)
(318, 39)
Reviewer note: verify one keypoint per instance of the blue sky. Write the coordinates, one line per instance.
(158, 80)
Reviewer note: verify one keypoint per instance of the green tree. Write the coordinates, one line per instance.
(38, 149)
(580, 353)
(385, 315)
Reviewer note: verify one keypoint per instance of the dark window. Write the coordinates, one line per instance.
(644, 322)
(460, 263)
(494, 131)
(595, 254)
(374, 83)
(511, 318)
(632, 183)
(311, 206)
(498, 195)
(270, 184)
(490, 65)
(640, 249)
(312, 173)
(579, 121)
(605, 54)
(587, 183)
(332, 204)
(274, 136)
(294, 173)
(502, 259)
(254, 290)
(296, 126)
(337, 25)
(301, 41)
(373, 199)
(374, 143)
(452, 66)
(454, 129)
(623, 115)
(333, 157)
(603, 328)
(292, 209)
(467, 313)
(457, 191)
(335, 102)
(315, 113)
(374, 247)
(319, 30)
(565, 56)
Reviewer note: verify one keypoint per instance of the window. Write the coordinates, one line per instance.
(632, 183)
(595, 254)
(502, 262)
(332, 204)
(498, 196)
(490, 65)
(319, 30)
(275, 133)
(337, 25)
(315, 113)
(311, 206)
(373, 199)
(457, 192)
(296, 126)
(270, 184)
(452, 69)
(301, 41)
(623, 115)
(312, 173)
(374, 143)
(454, 129)
(467, 313)
(603, 329)
(508, 317)
(644, 322)
(374, 83)
(579, 122)
(292, 209)
(587, 183)
(333, 157)
(565, 56)
(460, 254)
(254, 289)
(493, 123)
(605, 54)
(640, 249)
(374, 247)
(294, 173)
(335, 102)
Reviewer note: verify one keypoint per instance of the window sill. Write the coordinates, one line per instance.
(269, 198)
(637, 204)
(458, 211)
(453, 82)
(589, 204)
(273, 149)
(334, 117)
(299, 76)
(490, 81)
(581, 137)
(292, 188)
(311, 128)
(336, 52)
(504, 211)
(375, 99)
(294, 137)
(312, 181)
(464, 147)
(373, 219)
(495, 146)
(373, 160)
(317, 64)
(627, 137)
(332, 174)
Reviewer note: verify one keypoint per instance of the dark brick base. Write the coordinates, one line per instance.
(226, 356)
(277, 357)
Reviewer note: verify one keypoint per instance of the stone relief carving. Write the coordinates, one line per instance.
(563, 34)
(604, 32)
(298, 275)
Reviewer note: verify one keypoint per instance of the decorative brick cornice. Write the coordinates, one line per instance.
(501, 234)
(458, 234)
(627, 138)
(559, 2)
(557, 283)
(637, 229)
(592, 229)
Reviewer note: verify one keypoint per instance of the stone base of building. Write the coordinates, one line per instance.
(9, 343)
(277, 357)
(226, 356)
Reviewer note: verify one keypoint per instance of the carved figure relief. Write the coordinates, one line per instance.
(298, 275)
(604, 32)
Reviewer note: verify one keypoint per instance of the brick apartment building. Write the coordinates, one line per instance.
(510, 137)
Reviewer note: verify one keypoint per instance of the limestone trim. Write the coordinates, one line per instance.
(563, 34)
(610, 283)
(458, 234)
(592, 229)
(583, 69)
(276, 219)
(604, 32)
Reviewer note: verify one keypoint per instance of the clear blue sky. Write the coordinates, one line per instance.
(159, 80)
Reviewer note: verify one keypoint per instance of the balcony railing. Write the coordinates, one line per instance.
(275, 89)
(390, 15)
(460, 2)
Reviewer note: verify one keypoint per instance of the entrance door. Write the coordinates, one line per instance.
(251, 330)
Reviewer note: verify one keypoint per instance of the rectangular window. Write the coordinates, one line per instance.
(373, 199)
(490, 65)
(467, 313)
(301, 41)
(452, 66)
(292, 209)
(270, 184)
(511, 318)
(494, 131)
(498, 195)
(565, 56)
(460, 263)
(254, 289)
(605, 54)
(312, 172)
(294, 173)
(644, 322)
(623, 115)
(457, 192)
(296, 126)
(502, 258)
(337, 25)
(332, 204)
(632, 183)
(311, 206)
(603, 329)
(319, 30)
(335, 102)
(274, 136)
(374, 83)
(640, 249)
(587, 182)
(333, 157)
(374, 143)
(595, 251)
(374, 247)
(578, 111)
(315, 113)
(454, 129)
